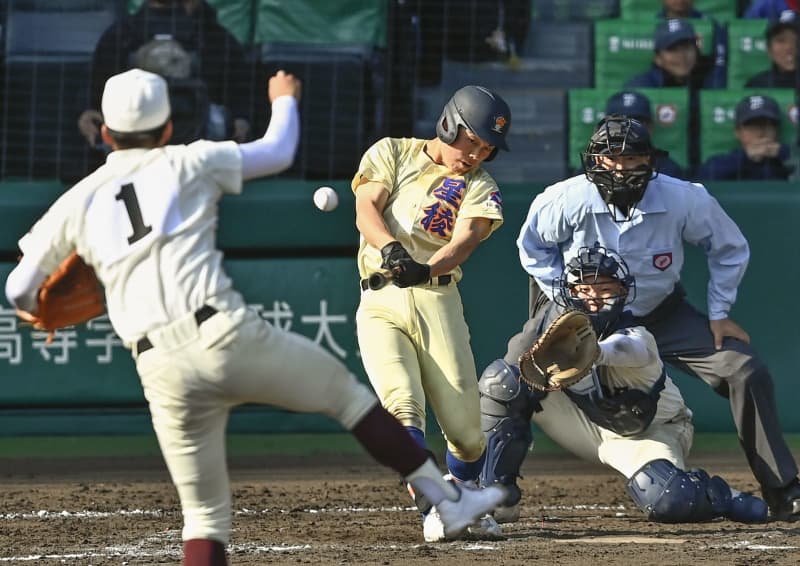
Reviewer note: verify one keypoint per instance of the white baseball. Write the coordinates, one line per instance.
(326, 199)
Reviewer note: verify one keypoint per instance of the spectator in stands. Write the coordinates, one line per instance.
(760, 155)
(782, 49)
(216, 59)
(636, 105)
(677, 60)
(680, 9)
(771, 9)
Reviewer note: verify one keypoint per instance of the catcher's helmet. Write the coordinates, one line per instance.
(480, 110)
(584, 269)
(619, 135)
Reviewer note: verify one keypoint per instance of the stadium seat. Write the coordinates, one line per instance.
(722, 10)
(670, 106)
(717, 114)
(48, 51)
(747, 51)
(574, 10)
(339, 107)
(623, 49)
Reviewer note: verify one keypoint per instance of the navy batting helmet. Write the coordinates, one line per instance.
(480, 110)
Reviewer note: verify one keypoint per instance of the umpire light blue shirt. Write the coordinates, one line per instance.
(571, 214)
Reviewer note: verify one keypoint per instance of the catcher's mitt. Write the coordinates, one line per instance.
(562, 355)
(72, 294)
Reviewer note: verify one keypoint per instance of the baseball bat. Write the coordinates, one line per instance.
(379, 279)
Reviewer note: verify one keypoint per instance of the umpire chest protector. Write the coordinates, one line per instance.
(627, 412)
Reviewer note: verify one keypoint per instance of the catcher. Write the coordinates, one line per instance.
(612, 402)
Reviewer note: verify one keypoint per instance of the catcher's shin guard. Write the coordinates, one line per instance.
(667, 494)
(506, 409)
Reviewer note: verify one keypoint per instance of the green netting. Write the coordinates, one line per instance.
(321, 21)
(716, 117)
(747, 51)
(586, 106)
(723, 10)
(235, 15)
(623, 49)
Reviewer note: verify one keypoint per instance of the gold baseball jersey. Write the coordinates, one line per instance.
(425, 199)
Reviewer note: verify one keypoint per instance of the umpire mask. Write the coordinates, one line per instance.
(621, 188)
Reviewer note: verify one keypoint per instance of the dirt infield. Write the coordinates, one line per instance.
(328, 510)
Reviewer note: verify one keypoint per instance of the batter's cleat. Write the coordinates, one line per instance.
(746, 508)
(784, 503)
(508, 514)
(485, 528)
(449, 519)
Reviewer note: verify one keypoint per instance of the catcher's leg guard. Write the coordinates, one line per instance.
(667, 494)
(506, 409)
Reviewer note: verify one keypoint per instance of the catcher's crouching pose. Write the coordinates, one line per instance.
(146, 223)
(606, 400)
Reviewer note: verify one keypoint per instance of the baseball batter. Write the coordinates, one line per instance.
(146, 221)
(626, 413)
(422, 207)
(623, 203)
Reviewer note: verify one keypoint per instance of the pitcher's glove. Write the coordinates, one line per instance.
(405, 271)
(70, 295)
(561, 356)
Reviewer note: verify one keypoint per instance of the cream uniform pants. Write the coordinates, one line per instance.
(568, 426)
(415, 348)
(195, 374)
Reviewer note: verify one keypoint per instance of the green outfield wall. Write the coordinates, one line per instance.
(296, 264)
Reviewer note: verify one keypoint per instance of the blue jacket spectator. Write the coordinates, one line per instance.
(637, 105)
(685, 9)
(766, 9)
(760, 155)
(782, 48)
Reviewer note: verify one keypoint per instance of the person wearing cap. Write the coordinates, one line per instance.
(760, 155)
(422, 207)
(146, 221)
(217, 57)
(636, 105)
(782, 49)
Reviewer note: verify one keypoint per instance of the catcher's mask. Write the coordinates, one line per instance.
(480, 110)
(587, 268)
(618, 135)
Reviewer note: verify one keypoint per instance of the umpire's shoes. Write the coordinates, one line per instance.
(507, 514)
(784, 503)
(449, 519)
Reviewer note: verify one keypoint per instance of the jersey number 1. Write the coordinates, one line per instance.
(127, 195)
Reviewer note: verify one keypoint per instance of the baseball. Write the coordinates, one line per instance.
(326, 199)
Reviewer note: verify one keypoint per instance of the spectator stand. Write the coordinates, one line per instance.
(747, 51)
(48, 50)
(717, 117)
(670, 108)
(342, 70)
(624, 48)
(720, 10)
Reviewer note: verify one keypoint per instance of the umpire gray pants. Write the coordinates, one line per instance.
(736, 372)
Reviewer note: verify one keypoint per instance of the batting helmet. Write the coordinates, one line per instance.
(619, 135)
(480, 110)
(584, 269)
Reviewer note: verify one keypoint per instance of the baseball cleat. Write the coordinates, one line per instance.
(784, 503)
(471, 505)
(485, 528)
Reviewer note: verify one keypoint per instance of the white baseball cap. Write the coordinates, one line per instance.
(135, 101)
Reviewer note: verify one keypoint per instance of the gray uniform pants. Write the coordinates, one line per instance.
(736, 372)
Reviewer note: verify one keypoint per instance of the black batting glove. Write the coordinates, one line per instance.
(412, 273)
(394, 256)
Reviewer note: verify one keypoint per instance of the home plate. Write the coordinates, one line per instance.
(622, 540)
